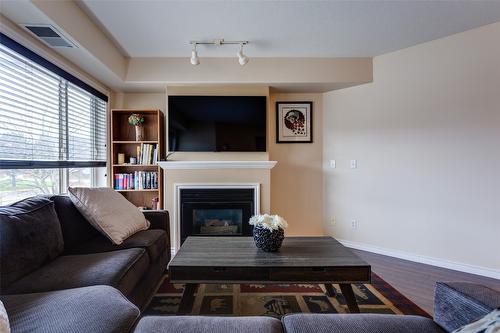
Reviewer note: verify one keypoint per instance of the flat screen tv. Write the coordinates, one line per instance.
(217, 123)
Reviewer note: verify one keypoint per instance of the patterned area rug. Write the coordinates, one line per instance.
(278, 299)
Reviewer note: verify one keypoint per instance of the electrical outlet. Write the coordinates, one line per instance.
(332, 164)
(354, 224)
(354, 164)
(333, 221)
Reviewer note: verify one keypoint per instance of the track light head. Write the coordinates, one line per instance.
(194, 56)
(242, 59)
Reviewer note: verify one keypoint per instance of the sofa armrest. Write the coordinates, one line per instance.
(459, 303)
(159, 219)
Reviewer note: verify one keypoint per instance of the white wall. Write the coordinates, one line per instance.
(426, 134)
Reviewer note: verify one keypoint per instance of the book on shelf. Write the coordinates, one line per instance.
(147, 153)
(138, 180)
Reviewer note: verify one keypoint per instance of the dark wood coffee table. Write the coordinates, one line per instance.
(229, 260)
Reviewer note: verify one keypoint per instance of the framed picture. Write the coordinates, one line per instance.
(294, 122)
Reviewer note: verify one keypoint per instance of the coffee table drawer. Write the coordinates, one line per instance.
(218, 274)
(320, 274)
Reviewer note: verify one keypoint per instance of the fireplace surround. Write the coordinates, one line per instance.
(214, 210)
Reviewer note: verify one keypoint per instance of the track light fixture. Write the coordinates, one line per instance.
(242, 58)
(194, 56)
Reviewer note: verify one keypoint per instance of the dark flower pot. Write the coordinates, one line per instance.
(266, 240)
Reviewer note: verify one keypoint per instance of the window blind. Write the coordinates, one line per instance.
(47, 121)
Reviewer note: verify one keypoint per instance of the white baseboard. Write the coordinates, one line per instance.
(472, 269)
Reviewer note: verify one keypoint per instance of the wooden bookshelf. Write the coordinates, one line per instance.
(123, 141)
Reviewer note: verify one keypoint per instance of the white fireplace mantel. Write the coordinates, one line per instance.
(191, 165)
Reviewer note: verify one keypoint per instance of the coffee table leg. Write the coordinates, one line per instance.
(187, 300)
(330, 290)
(350, 299)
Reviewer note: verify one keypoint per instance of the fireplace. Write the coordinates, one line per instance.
(216, 211)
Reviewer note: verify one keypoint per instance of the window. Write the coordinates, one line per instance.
(52, 129)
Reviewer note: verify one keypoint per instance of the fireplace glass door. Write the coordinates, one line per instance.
(216, 212)
(217, 221)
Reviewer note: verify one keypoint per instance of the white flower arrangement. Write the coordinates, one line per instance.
(269, 222)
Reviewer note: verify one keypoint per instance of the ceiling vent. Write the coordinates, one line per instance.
(49, 35)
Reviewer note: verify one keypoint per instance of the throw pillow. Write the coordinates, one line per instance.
(109, 212)
(30, 236)
(488, 324)
(4, 320)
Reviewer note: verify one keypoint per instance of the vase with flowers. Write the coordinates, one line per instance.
(137, 120)
(268, 231)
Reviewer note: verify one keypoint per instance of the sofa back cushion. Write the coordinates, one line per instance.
(76, 229)
(30, 236)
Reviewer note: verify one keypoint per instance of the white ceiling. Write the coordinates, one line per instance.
(284, 28)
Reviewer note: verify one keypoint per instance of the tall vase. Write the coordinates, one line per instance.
(139, 133)
(267, 240)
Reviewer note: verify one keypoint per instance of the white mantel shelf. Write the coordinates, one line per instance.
(197, 165)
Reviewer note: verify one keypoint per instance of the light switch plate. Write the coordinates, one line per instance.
(332, 164)
(354, 164)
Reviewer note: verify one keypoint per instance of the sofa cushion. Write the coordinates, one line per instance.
(121, 269)
(109, 212)
(93, 309)
(358, 323)
(200, 324)
(75, 228)
(30, 236)
(154, 241)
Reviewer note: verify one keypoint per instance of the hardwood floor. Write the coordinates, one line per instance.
(416, 281)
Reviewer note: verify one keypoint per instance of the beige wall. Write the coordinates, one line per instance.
(297, 179)
(293, 189)
(328, 72)
(159, 100)
(140, 101)
(426, 134)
